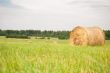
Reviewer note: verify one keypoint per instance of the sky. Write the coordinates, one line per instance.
(54, 14)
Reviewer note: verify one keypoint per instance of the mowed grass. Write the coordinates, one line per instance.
(52, 56)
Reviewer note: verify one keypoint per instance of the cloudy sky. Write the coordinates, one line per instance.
(54, 14)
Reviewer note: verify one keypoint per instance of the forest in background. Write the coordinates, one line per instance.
(41, 34)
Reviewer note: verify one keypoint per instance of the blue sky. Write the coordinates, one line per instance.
(54, 14)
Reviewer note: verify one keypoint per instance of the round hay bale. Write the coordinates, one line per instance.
(87, 36)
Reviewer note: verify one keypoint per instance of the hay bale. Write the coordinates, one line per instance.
(87, 36)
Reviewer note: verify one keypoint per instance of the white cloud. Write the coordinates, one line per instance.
(55, 14)
(38, 4)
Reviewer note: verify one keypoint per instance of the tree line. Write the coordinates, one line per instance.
(42, 34)
(36, 33)
(107, 34)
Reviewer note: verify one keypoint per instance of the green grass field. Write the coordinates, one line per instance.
(52, 56)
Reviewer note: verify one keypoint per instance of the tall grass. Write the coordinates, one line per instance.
(52, 56)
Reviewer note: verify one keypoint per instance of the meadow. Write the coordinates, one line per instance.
(52, 56)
